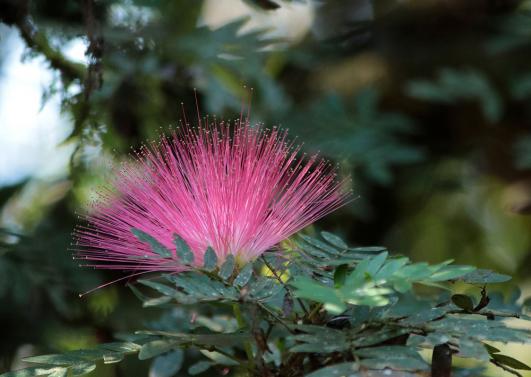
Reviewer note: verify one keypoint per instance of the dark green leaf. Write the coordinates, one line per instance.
(340, 274)
(183, 250)
(510, 362)
(159, 287)
(376, 263)
(424, 316)
(210, 259)
(155, 245)
(464, 302)
(157, 347)
(317, 339)
(32, 372)
(450, 273)
(334, 240)
(227, 268)
(82, 368)
(472, 348)
(263, 288)
(244, 276)
(481, 276)
(125, 347)
(490, 348)
(205, 340)
(319, 244)
(167, 365)
(343, 369)
(157, 301)
(199, 367)
(60, 372)
(112, 357)
(394, 357)
(63, 360)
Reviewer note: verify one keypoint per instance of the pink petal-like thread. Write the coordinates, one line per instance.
(236, 188)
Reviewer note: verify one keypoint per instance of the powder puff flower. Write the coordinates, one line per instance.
(235, 188)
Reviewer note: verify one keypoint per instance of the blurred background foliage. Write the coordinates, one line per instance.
(424, 103)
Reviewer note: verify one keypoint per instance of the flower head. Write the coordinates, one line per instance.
(238, 189)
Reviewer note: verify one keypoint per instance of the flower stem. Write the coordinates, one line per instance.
(241, 324)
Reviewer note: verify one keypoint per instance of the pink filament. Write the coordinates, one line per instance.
(238, 189)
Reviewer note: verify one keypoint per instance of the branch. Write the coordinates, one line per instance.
(37, 41)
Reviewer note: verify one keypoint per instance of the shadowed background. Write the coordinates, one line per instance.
(424, 103)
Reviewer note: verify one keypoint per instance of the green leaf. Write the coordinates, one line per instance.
(451, 273)
(342, 369)
(167, 365)
(227, 268)
(82, 368)
(464, 302)
(199, 367)
(244, 276)
(157, 347)
(319, 244)
(340, 274)
(317, 339)
(159, 287)
(394, 357)
(390, 268)
(210, 260)
(183, 250)
(125, 347)
(309, 289)
(491, 349)
(199, 287)
(60, 372)
(334, 240)
(32, 372)
(376, 263)
(510, 362)
(219, 358)
(204, 340)
(263, 288)
(112, 357)
(63, 360)
(368, 249)
(424, 316)
(481, 276)
(480, 329)
(157, 301)
(472, 348)
(155, 245)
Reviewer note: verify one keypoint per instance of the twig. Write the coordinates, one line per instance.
(241, 323)
(487, 313)
(270, 312)
(288, 290)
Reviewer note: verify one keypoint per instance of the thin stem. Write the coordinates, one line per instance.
(275, 274)
(272, 314)
(314, 311)
(241, 324)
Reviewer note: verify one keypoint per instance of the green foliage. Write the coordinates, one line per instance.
(372, 140)
(356, 309)
(452, 86)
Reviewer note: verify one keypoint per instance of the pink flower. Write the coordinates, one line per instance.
(238, 189)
